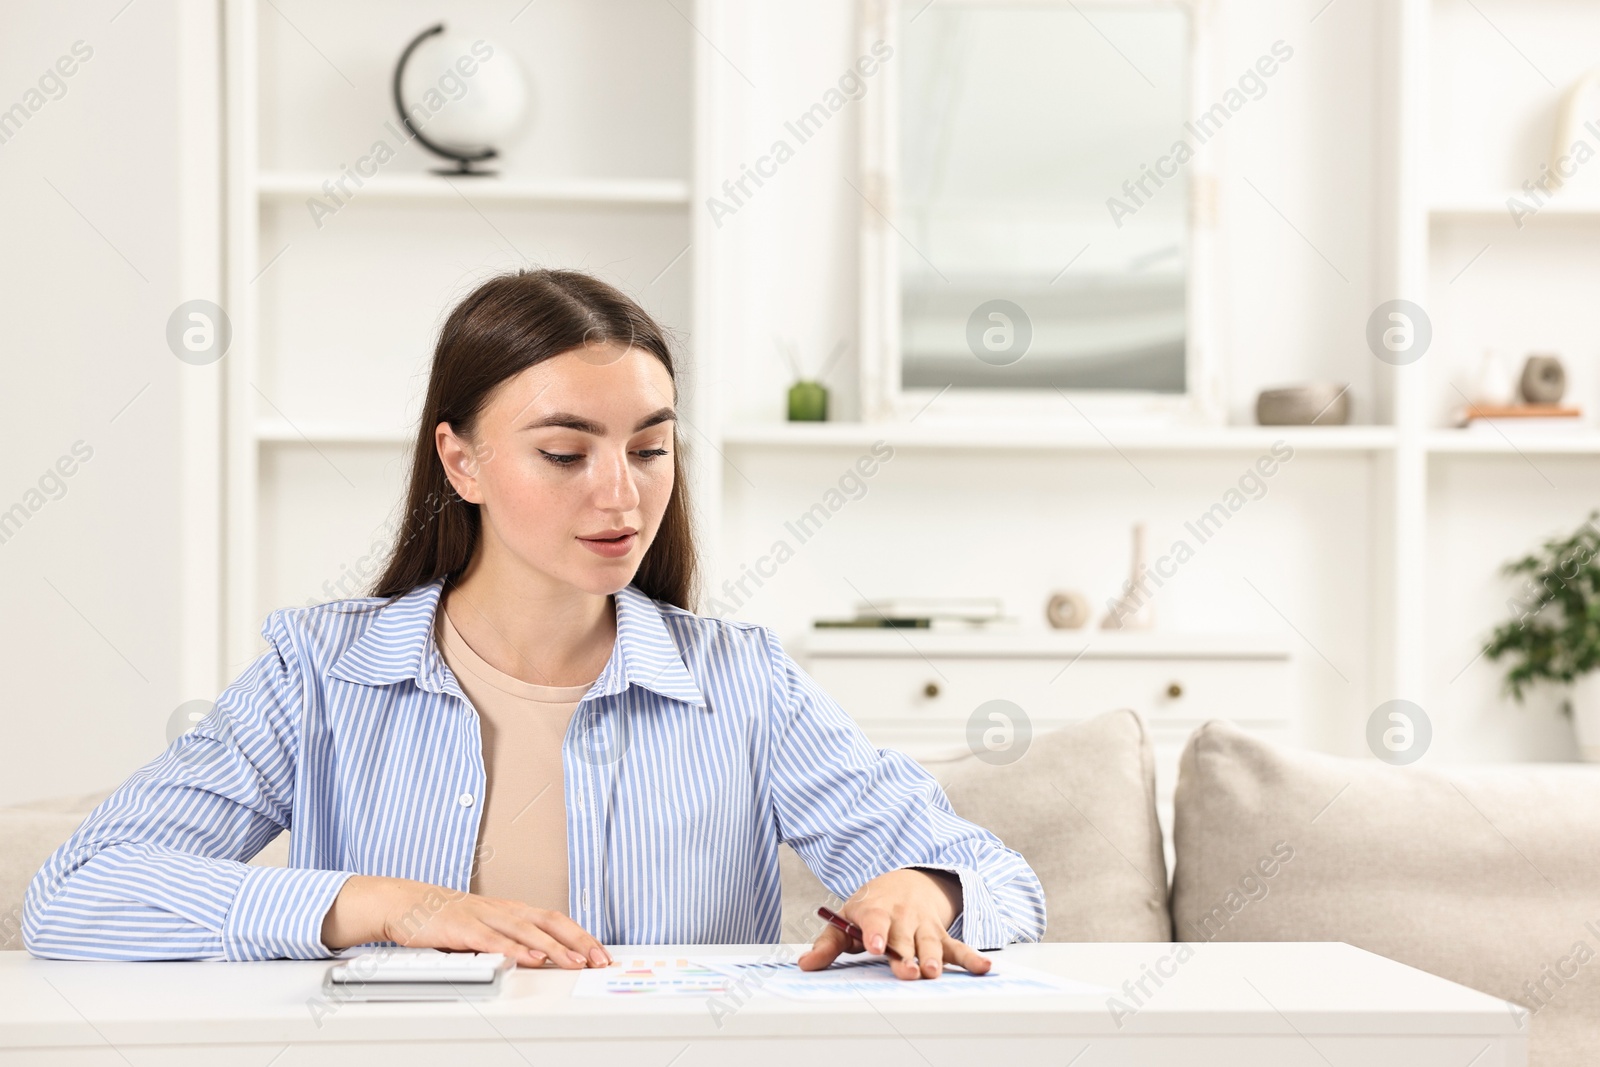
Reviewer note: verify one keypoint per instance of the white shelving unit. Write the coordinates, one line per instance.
(297, 460)
(1476, 113)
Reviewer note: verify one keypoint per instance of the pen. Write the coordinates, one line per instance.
(850, 929)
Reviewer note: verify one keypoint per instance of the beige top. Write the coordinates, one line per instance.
(522, 839)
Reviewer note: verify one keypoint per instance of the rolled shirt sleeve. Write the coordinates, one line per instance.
(158, 870)
(854, 812)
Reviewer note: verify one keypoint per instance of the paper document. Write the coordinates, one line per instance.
(652, 976)
(747, 976)
(871, 978)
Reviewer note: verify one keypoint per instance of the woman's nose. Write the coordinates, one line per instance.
(615, 489)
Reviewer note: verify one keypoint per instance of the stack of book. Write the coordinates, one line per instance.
(924, 613)
(1540, 417)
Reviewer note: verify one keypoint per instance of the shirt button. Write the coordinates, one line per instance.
(465, 799)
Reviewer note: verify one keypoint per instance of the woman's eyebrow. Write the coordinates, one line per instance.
(582, 425)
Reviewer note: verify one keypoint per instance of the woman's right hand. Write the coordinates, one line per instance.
(419, 915)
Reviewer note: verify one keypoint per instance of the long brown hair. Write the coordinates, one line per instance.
(504, 326)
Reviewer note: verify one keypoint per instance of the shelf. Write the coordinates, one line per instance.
(1492, 208)
(862, 435)
(293, 185)
(786, 435)
(1090, 642)
(278, 431)
(1477, 442)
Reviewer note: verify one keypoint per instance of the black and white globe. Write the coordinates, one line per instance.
(463, 95)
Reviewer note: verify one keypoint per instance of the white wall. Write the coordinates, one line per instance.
(89, 203)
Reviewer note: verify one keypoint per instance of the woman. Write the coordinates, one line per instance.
(524, 741)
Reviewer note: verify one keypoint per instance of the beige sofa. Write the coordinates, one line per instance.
(1489, 877)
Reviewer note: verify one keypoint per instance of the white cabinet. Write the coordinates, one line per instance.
(917, 690)
(924, 692)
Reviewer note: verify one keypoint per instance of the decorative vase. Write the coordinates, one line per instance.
(808, 402)
(1586, 716)
(1495, 385)
(1544, 379)
(1132, 610)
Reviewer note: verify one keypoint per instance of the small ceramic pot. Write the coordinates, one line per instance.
(1315, 403)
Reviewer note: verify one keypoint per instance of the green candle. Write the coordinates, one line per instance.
(808, 402)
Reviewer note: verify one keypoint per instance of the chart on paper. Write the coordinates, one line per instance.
(652, 976)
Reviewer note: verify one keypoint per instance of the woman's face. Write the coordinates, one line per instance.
(571, 465)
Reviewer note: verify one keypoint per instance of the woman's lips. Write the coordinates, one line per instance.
(610, 549)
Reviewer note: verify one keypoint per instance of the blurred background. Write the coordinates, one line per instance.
(976, 303)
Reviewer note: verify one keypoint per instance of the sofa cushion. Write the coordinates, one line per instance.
(26, 840)
(30, 832)
(1080, 807)
(79, 804)
(1488, 876)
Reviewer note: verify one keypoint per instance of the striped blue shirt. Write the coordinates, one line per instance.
(701, 746)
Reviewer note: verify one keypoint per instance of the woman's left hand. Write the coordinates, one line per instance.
(908, 910)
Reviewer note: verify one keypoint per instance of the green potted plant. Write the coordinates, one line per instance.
(1554, 633)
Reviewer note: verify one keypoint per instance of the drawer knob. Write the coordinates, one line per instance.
(1174, 690)
(930, 690)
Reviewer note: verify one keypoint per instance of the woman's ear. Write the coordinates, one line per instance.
(462, 461)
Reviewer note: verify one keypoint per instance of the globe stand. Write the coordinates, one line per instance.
(463, 167)
(463, 160)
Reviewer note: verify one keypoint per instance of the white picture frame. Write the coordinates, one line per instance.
(885, 400)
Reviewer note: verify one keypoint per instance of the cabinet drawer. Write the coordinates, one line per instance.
(911, 692)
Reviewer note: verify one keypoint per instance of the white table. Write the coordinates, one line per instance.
(1233, 1004)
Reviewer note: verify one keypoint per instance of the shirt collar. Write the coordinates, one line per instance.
(398, 645)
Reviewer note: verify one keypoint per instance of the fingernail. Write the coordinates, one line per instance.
(598, 957)
(877, 944)
(578, 958)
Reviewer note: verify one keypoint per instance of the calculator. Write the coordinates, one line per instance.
(417, 974)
